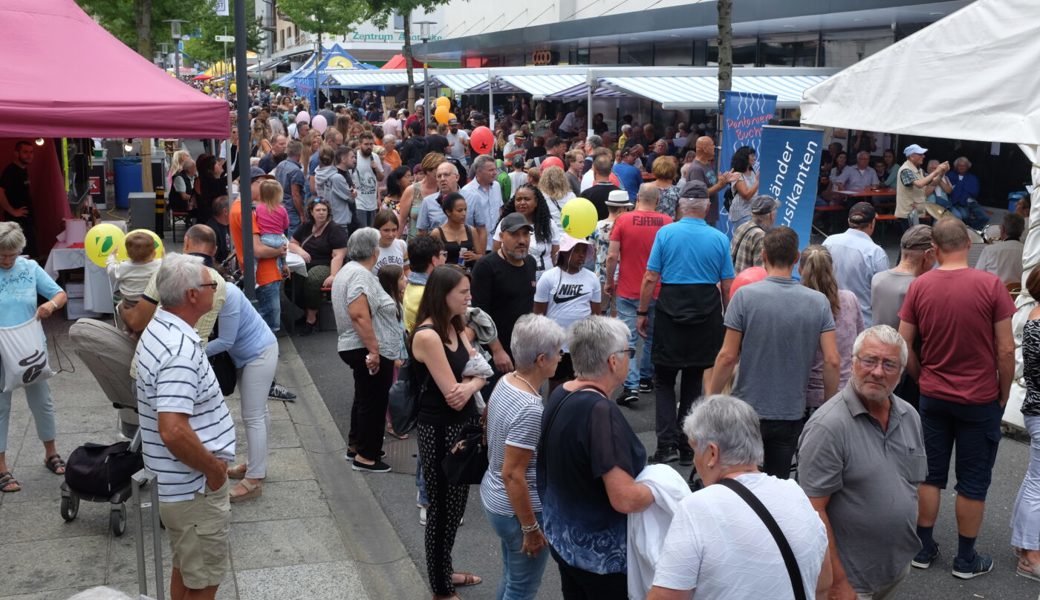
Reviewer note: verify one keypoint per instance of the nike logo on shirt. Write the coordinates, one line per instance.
(567, 292)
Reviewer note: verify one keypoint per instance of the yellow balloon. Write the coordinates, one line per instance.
(233, 87)
(444, 101)
(578, 218)
(207, 89)
(121, 250)
(100, 241)
(441, 115)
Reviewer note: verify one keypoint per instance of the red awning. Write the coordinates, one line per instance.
(63, 75)
(398, 62)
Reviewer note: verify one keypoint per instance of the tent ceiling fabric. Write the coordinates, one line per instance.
(969, 76)
(360, 79)
(53, 87)
(462, 82)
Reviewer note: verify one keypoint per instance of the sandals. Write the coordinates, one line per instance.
(237, 472)
(252, 490)
(55, 464)
(8, 484)
(467, 579)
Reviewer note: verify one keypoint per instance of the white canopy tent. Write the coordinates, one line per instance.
(969, 76)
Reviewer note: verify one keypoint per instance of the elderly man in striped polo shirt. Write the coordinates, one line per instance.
(187, 431)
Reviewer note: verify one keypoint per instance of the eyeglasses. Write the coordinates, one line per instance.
(631, 352)
(212, 286)
(871, 362)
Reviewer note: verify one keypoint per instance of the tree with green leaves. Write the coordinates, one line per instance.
(206, 25)
(321, 17)
(380, 12)
(139, 23)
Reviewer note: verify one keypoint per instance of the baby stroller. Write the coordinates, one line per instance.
(94, 472)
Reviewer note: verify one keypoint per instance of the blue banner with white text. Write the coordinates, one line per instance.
(790, 160)
(743, 116)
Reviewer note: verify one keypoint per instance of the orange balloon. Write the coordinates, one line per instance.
(441, 115)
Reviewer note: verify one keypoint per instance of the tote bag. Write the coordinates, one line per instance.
(23, 355)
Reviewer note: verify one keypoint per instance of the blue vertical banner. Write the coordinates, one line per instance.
(743, 116)
(790, 160)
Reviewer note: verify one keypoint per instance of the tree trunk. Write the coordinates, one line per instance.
(143, 19)
(725, 8)
(408, 61)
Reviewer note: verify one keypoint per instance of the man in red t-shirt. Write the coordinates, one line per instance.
(962, 317)
(630, 242)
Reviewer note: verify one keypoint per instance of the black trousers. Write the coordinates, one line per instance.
(780, 442)
(368, 413)
(447, 504)
(578, 584)
(668, 420)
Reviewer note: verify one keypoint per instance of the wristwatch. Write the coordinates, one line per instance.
(642, 313)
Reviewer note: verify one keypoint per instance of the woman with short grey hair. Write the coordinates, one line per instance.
(715, 533)
(370, 341)
(21, 281)
(587, 465)
(514, 424)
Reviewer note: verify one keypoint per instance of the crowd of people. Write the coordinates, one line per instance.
(859, 378)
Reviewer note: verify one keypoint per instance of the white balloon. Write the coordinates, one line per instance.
(319, 124)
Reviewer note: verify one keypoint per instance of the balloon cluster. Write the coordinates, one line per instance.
(442, 114)
(103, 238)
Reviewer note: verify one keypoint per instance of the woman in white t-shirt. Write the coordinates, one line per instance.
(392, 250)
(557, 190)
(529, 201)
(568, 293)
(715, 533)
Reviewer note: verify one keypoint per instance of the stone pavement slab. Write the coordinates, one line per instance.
(316, 532)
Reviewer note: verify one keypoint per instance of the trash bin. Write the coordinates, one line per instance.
(128, 178)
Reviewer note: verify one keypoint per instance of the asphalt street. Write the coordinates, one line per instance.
(477, 547)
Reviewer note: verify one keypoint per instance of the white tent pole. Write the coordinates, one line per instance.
(590, 80)
(491, 103)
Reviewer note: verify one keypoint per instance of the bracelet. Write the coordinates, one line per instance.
(642, 313)
(54, 304)
(526, 529)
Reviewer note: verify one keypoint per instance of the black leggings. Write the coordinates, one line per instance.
(578, 584)
(368, 412)
(447, 504)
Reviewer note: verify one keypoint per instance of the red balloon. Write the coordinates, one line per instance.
(482, 140)
(748, 275)
(552, 161)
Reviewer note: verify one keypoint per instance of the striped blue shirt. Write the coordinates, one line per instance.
(173, 375)
(514, 419)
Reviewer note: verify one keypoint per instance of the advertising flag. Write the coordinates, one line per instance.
(790, 160)
(743, 115)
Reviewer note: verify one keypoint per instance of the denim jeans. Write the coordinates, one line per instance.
(521, 574)
(38, 395)
(644, 367)
(1025, 519)
(269, 304)
(364, 218)
(294, 217)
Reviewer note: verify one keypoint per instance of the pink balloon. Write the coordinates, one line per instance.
(747, 276)
(303, 117)
(482, 140)
(552, 161)
(319, 124)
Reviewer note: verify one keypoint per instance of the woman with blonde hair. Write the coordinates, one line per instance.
(260, 138)
(665, 169)
(412, 197)
(176, 164)
(557, 190)
(817, 270)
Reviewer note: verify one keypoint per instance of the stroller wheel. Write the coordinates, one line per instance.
(117, 520)
(69, 507)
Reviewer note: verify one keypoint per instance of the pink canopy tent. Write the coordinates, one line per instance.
(64, 76)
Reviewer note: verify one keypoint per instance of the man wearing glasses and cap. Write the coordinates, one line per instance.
(911, 184)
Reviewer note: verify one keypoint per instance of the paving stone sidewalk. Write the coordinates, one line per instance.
(316, 533)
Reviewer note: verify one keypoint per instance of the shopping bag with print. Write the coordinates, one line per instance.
(23, 354)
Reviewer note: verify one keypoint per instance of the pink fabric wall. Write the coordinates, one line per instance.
(50, 204)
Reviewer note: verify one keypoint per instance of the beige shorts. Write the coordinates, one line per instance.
(198, 531)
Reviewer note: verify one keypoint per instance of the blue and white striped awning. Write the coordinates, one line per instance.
(682, 93)
(544, 85)
(461, 82)
(368, 79)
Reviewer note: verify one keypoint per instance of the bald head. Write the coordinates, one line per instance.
(705, 147)
(647, 196)
(950, 234)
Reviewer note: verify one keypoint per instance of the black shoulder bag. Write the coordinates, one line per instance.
(404, 395)
(763, 513)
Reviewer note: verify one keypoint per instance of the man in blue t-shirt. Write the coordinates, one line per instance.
(776, 326)
(627, 173)
(691, 261)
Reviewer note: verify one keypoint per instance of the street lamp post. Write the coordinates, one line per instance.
(424, 35)
(175, 34)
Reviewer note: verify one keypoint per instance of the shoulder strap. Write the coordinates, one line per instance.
(778, 535)
(542, 448)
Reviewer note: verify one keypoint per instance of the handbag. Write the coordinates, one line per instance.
(778, 535)
(467, 459)
(23, 354)
(101, 471)
(403, 397)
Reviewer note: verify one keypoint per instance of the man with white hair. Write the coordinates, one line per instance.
(911, 183)
(187, 429)
(861, 458)
(965, 194)
(431, 215)
(859, 177)
(690, 260)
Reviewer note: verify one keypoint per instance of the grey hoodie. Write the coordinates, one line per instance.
(332, 188)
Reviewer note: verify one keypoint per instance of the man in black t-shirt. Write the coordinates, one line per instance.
(220, 224)
(601, 186)
(503, 285)
(15, 197)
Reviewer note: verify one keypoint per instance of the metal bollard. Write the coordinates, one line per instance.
(140, 479)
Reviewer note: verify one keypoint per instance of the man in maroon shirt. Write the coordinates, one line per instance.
(965, 367)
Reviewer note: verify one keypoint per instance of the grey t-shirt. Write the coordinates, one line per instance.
(354, 280)
(871, 477)
(887, 290)
(781, 321)
(705, 174)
